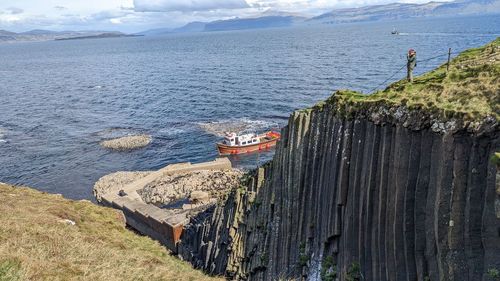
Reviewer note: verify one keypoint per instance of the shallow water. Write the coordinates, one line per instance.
(59, 99)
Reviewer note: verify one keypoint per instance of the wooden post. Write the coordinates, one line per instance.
(448, 64)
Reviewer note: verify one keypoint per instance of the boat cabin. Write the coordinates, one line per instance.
(232, 139)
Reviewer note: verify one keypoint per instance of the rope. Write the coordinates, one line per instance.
(376, 87)
(462, 63)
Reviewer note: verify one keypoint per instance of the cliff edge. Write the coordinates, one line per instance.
(398, 185)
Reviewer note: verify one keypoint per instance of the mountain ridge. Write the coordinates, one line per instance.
(397, 10)
(391, 11)
(279, 19)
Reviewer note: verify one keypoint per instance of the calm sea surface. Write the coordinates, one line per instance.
(59, 99)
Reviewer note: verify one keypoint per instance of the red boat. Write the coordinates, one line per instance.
(238, 144)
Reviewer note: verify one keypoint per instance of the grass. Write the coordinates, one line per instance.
(36, 244)
(495, 158)
(328, 269)
(469, 90)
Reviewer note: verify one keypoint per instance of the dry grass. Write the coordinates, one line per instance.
(127, 142)
(36, 245)
(469, 90)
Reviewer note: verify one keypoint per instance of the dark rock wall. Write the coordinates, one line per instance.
(364, 200)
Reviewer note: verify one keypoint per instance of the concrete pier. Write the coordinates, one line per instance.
(163, 225)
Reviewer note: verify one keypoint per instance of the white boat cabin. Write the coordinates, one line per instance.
(233, 139)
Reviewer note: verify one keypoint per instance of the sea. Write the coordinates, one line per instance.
(60, 99)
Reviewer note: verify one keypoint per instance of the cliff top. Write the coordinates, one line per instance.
(47, 237)
(468, 91)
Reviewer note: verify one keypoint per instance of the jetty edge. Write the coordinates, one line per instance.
(163, 225)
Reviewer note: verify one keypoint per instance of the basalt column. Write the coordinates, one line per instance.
(360, 197)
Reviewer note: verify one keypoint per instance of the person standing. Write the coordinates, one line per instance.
(411, 64)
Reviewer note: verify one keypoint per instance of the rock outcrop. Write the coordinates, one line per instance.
(127, 142)
(374, 192)
(402, 204)
(170, 188)
(115, 180)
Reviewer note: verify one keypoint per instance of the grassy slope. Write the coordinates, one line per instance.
(470, 90)
(36, 245)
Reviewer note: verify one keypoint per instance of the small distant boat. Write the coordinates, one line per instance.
(238, 144)
(394, 31)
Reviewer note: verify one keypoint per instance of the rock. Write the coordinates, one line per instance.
(127, 142)
(68, 222)
(170, 188)
(388, 201)
(497, 208)
(198, 196)
(114, 182)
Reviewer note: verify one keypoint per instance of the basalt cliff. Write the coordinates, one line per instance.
(397, 185)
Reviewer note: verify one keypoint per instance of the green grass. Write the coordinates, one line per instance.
(328, 269)
(495, 159)
(35, 243)
(10, 270)
(469, 90)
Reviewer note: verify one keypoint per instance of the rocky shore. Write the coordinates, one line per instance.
(115, 180)
(175, 187)
(207, 184)
(398, 185)
(381, 187)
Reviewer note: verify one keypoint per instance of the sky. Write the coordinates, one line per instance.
(139, 15)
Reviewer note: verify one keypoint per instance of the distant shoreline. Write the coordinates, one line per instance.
(100, 36)
(47, 35)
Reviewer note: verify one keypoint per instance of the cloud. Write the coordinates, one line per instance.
(107, 15)
(115, 21)
(60, 8)
(15, 11)
(187, 6)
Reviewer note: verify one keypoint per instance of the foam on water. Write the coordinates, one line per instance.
(240, 125)
(82, 93)
(2, 135)
(168, 132)
(117, 132)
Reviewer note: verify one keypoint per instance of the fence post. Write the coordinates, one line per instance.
(448, 64)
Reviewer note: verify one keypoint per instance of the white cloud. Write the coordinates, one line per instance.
(138, 15)
(14, 10)
(9, 19)
(187, 6)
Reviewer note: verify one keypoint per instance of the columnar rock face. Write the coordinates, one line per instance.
(360, 197)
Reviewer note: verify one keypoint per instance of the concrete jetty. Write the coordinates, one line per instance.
(163, 225)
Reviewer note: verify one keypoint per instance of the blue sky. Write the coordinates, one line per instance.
(138, 15)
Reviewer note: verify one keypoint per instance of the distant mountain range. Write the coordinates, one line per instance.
(396, 11)
(48, 35)
(392, 11)
(271, 18)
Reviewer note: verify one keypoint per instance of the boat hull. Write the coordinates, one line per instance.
(264, 145)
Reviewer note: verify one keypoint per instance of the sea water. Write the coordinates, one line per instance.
(59, 99)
